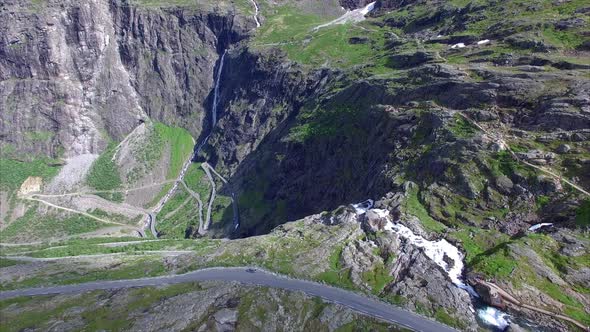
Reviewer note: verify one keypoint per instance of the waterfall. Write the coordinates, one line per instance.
(256, 10)
(149, 220)
(216, 91)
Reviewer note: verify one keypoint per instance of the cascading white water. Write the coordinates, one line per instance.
(216, 91)
(256, 10)
(436, 251)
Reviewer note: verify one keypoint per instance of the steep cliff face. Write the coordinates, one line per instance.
(260, 91)
(171, 55)
(63, 84)
(77, 75)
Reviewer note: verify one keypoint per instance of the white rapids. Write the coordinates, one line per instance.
(362, 207)
(435, 250)
(356, 15)
(494, 317)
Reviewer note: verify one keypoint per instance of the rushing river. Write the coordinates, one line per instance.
(489, 317)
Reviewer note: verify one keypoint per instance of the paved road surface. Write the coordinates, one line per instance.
(348, 299)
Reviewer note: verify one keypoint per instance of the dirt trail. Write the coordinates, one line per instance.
(500, 139)
(118, 147)
(97, 233)
(149, 222)
(109, 206)
(205, 164)
(32, 198)
(106, 191)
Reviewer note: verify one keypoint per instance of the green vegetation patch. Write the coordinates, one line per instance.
(563, 38)
(201, 245)
(377, 278)
(41, 312)
(292, 30)
(496, 262)
(131, 268)
(583, 214)
(196, 179)
(147, 153)
(328, 122)
(443, 316)
(462, 128)
(178, 220)
(14, 172)
(502, 163)
(35, 226)
(336, 274)
(104, 173)
(476, 241)
(5, 262)
(413, 206)
(181, 144)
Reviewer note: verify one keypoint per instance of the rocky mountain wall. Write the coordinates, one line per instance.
(75, 75)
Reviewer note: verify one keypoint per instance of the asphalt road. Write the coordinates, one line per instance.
(356, 302)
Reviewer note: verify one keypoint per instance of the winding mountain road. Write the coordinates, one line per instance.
(234, 200)
(200, 205)
(354, 301)
(211, 197)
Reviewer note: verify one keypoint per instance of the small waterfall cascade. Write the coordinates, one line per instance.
(216, 91)
(149, 222)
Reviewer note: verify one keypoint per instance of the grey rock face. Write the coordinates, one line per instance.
(75, 75)
(563, 148)
(425, 286)
(171, 55)
(61, 75)
(504, 184)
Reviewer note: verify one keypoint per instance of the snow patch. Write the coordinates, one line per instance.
(458, 45)
(356, 15)
(539, 226)
(483, 42)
